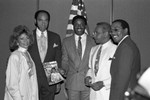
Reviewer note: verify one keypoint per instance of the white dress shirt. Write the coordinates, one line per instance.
(83, 42)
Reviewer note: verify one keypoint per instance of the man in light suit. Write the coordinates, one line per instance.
(75, 63)
(126, 61)
(100, 81)
(49, 51)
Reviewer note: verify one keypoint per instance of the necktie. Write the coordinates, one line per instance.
(30, 63)
(42, 46)
(96, 67)
(79, 47)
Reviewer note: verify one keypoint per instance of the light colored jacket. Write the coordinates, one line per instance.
(103, 74)
(19, 85)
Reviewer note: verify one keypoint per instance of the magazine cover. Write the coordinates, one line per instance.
(52, 73)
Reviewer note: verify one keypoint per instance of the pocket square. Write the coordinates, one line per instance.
(55, 45)
(112, 58)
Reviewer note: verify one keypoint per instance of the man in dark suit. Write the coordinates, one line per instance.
(126, 61)
(75, 58)
(46, 48)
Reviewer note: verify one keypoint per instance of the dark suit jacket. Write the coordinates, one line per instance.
(46, 92)
(124, 69)
(75, 67)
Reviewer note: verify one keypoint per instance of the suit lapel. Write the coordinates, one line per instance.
(36, 49)
(50, 44)
(73, 51)
(73, 47)
(87, 48)
(86, 53)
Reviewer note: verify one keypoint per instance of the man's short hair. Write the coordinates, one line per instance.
(79, 17)
(42, 11)
(106, 26)
(123, 23)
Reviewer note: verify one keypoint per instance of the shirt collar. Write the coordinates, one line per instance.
(38, 32)
(123, 39)
(83, 36)
(105, 44)
(22, 49)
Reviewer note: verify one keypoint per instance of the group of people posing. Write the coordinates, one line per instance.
(99, 67)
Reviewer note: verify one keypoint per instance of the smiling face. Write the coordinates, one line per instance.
(79, 26)
(99, 35)
(42, 21)
(117, 32)
(23, 41)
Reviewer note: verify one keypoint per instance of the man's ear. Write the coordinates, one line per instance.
(126, 30)
(35, 22)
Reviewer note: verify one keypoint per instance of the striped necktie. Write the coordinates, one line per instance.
(96, 67)
(80, 47)
(42, 46)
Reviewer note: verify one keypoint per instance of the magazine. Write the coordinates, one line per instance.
(52, 73)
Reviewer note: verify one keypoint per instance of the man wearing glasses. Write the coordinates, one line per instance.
(126, 61)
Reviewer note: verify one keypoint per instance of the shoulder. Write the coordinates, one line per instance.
(112, 48)
(112, 45)
(53, 34)
(68, 39)
(129, 44)
(15, 55)
(126, 48)
(90, 40)
(94, 48)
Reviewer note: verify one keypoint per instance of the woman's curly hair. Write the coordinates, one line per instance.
(19, 30)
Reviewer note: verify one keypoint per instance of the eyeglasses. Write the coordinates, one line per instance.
(116, 29)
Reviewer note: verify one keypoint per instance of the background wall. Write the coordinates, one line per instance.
(15, 12)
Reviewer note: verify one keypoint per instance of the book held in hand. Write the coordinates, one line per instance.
(52, 73)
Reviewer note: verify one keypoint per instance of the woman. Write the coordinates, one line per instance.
(21, 79)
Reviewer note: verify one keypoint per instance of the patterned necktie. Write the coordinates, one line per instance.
(30, 64)
(42, 46)
(79, 47)
(96, 67)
